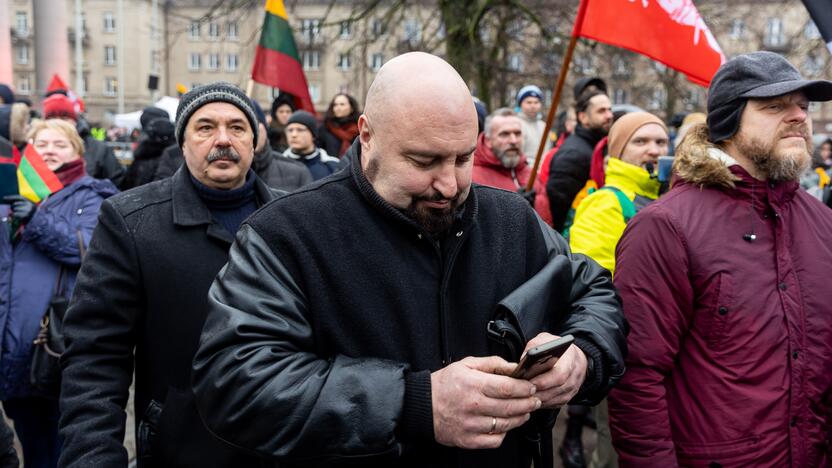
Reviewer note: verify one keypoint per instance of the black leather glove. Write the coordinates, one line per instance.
(22, 208)
(528, 195)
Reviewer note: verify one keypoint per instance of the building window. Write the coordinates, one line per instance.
(110, 86)
(213, 62)
(620, 67)
(412, 32)
(24, 86)
(813, 65)
(584, 64)
(109, 22)
(311, 60)
(619, 96)
(310, 29)
(213, 31)
(737, 29)
(657, 99)
(378, 27)
(774, 32)
(231, 30)
(515, 62)
(22, 23)
(23, 54)
(346, 30)
(193, 33)
(232, 62)
(193, 62)
(344, 61)
(315, 92)
(83, 90)
(109, 55)
(377, 61)
(693, 99)
(811, 31)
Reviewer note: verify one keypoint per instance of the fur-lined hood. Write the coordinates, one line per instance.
(700, 162)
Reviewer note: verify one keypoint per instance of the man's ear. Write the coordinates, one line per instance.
(365, 133)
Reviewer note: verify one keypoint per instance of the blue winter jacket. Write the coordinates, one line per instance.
(29, 269)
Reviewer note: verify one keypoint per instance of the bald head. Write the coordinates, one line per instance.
(418, 83)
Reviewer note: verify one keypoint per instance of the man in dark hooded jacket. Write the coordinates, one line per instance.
(157, 134)
(569, 170)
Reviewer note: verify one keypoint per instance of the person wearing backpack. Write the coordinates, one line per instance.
(636, 140)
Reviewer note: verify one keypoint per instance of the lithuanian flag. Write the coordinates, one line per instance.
(34, 178)
(277, 62)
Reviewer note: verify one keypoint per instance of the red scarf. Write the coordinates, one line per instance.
(346, 133)
(71, 171)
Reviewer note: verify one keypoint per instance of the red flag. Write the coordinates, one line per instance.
(669, 31)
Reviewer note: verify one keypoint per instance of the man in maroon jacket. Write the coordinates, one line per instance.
(499, 160)
(724, 282)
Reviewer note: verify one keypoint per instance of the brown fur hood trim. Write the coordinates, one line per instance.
(701, 163)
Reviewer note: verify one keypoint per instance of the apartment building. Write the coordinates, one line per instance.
(200, 41)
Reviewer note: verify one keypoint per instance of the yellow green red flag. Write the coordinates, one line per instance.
(34, 178)
(277, 62)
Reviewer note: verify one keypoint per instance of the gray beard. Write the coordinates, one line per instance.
(775, 167)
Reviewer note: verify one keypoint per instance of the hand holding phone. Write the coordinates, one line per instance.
(539, 359)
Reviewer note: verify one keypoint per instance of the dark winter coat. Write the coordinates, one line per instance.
(356, 306)
(276, 170)
(8, 455)
(170, 162)
(101, 163)
(29, 270)
(145, 163)
(280, 172)
(569, 172)
(731, 339)
(143, 289)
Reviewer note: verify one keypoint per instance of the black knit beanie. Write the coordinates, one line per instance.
(220, 91)
(306, 119)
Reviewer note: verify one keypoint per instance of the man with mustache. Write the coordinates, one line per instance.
(141, 296)
(723, 281)
(499, 160)
(351, 324)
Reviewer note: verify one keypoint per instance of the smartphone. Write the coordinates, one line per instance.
(8, 180)
(539, 359)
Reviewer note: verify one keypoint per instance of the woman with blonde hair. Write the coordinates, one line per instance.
(41, 248)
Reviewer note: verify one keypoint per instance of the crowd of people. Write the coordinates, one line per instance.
(356, 289)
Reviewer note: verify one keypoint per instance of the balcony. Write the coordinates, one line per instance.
(85, 37)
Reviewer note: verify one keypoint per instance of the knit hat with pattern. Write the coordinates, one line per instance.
(220, 91)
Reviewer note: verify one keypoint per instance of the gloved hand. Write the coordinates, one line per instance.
(529, 196)
(22, 208)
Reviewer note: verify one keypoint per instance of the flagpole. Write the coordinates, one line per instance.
(564, 69)
(250, 87)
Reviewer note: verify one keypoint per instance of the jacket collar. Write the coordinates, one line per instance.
(587, 135)
(628, 177)
(190, 210)
(393, 214)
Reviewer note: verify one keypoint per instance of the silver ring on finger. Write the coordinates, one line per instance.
(493, 425)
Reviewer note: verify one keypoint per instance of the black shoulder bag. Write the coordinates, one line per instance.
(45, 373)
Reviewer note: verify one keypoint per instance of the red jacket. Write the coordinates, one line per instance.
(489, 171)
(730, 345)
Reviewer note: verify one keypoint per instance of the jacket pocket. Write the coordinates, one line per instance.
(715, 321)
(147, 432)
(737, 452)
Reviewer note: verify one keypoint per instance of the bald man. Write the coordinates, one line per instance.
(357, 321)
